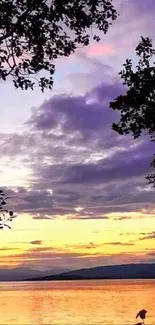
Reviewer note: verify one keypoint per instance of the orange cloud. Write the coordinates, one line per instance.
(100, 49)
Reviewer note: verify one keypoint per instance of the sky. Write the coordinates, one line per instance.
(78, 188)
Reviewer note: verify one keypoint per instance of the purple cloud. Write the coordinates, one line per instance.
(77, 114)
(77, 160)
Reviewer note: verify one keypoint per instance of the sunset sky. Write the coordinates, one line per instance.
(78, 188)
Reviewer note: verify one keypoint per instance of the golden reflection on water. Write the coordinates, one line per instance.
(76, 302)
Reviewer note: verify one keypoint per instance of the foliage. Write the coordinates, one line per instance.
(34, 33)
(5, 215)
(137, 106)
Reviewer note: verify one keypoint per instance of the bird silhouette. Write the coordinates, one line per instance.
(142, 315)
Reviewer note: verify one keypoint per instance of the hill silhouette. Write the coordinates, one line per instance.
(124, 271)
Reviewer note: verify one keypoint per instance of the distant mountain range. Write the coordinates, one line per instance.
(126, 271)
(21, 273)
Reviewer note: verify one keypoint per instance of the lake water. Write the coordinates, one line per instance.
(76, 302)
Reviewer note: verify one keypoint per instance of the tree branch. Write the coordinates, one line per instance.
(21, 18)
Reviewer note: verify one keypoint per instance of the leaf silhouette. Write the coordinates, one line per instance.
(5, 215)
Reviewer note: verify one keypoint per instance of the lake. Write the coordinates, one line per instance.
(76, 302)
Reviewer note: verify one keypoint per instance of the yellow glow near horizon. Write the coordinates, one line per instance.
(90, 237)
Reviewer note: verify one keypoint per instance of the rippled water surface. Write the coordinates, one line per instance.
(76, 302)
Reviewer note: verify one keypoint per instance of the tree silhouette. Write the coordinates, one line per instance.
(137, 106)
(33, 33)
(6, 216)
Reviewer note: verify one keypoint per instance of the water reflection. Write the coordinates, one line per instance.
(76, 302)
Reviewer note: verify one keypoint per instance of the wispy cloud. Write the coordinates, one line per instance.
(120, 243)
(36, 242)
(147, 236)
(100, 50)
